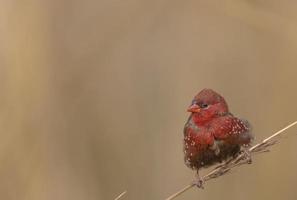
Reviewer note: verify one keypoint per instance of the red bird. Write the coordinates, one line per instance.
(212, 134)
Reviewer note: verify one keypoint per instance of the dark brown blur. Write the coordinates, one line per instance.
(93, 95)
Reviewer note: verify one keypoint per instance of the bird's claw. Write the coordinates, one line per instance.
(199, 183)
(247, 156)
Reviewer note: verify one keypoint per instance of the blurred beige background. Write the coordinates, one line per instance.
(93, 95)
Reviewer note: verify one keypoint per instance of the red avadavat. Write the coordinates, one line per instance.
(212, 134)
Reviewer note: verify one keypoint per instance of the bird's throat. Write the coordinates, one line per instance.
(200, 120)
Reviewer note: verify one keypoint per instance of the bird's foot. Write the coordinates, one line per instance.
(198, 181)
(247, 156)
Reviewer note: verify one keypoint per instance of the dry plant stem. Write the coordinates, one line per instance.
(121, 195)
(238, 160)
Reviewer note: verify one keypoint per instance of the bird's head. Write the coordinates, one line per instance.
(206, 105)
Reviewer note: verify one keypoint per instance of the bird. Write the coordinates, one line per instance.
(212, 134)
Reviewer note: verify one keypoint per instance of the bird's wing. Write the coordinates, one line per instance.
(232, 130)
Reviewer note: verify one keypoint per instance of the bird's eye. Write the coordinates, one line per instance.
(203, 105)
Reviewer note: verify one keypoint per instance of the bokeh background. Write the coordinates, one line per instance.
(93, 95)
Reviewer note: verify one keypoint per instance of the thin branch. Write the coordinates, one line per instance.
(121, 195)
(238, 160)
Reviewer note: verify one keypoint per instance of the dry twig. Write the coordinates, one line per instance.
(238, 160)
(121, 195)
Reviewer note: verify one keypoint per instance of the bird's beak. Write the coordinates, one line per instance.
(194, 108)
